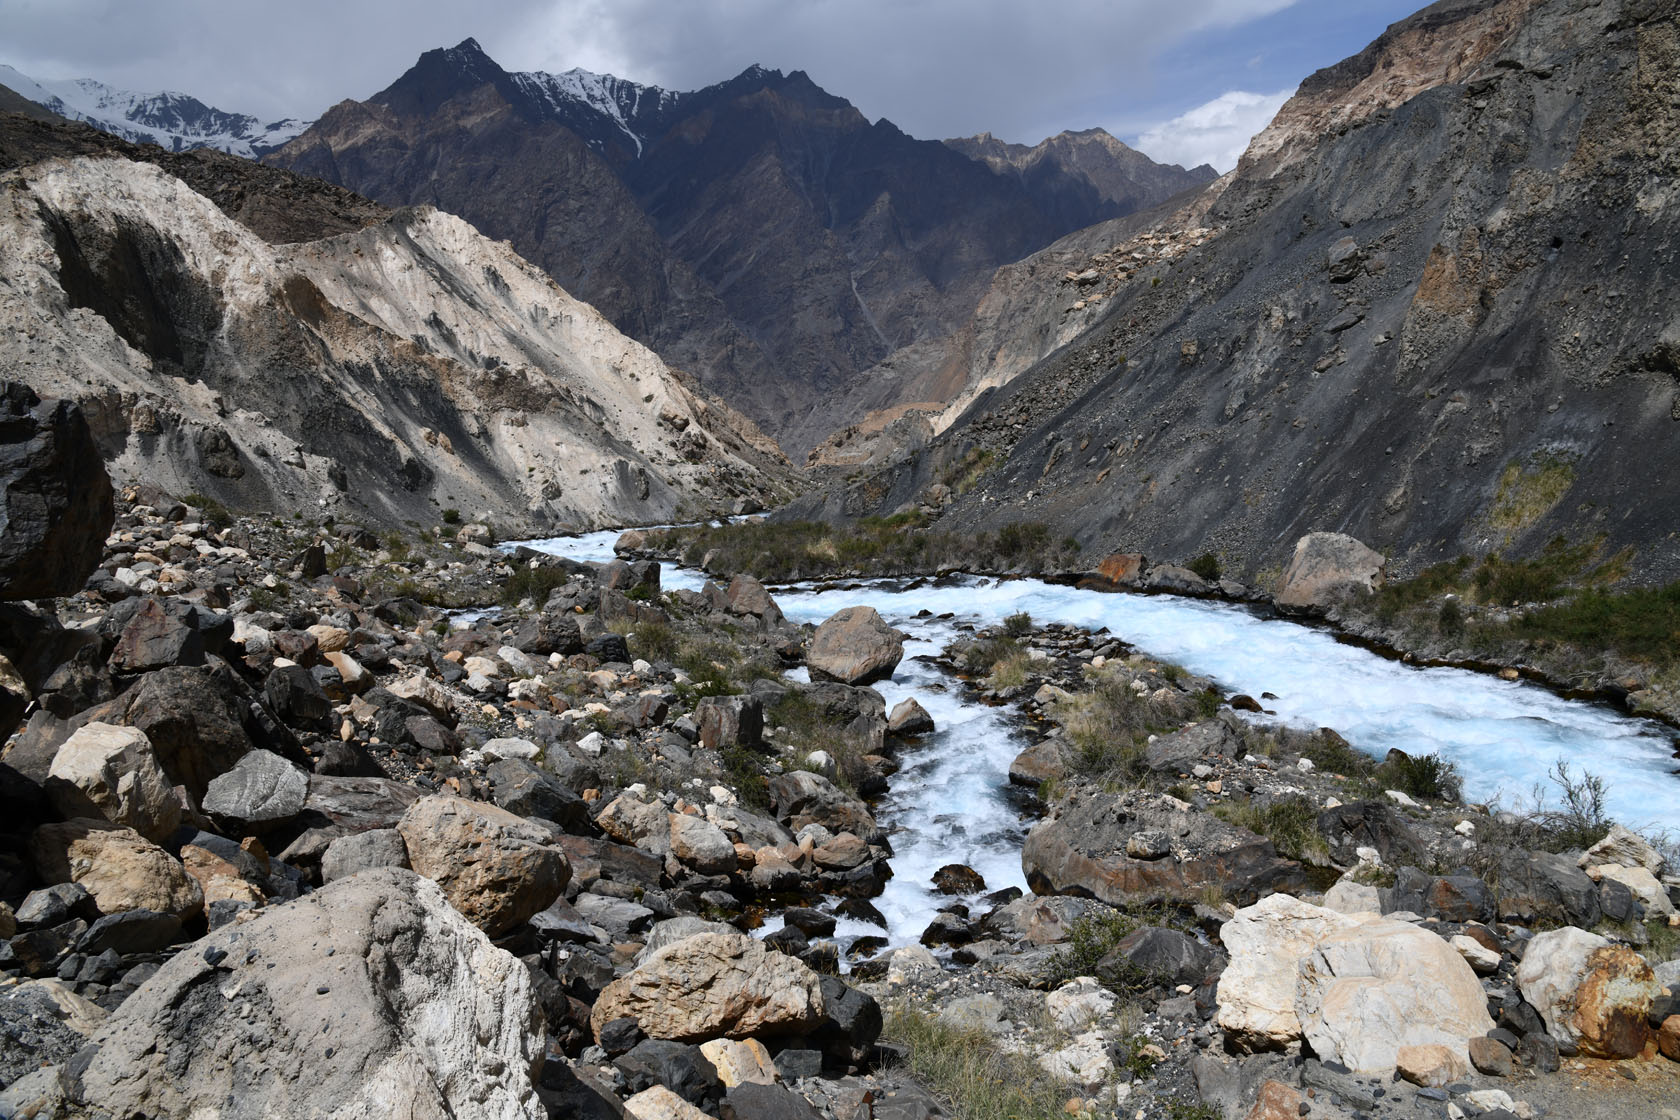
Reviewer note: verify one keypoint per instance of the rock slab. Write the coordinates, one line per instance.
(371, 997)
(714, 985)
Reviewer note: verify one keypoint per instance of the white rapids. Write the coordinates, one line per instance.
(948, 804)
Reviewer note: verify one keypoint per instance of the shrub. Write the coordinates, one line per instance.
(1090, 939)
(535, 584)
(1425, 776)
(1206, 565)
(451, 516)
(653, 641)
(214, 511)
(1010, 670)
(1018, 625)
(1290, 823)
(1019, 538)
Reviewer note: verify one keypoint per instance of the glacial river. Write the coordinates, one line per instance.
(948, 803)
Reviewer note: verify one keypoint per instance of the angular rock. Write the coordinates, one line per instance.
(854, 646)
(1540, 888)
(121, 869)
(1431, 1064)
(370, 997)
(660, 1103)
(1179, 751)
(1042, 762)
(701, 845)
(1326, 568)
(262, 791)
(1160, 954)
(712, 985)
(747, 596)
(1591, 994)
(494, 867)
(357, 804)
(800, 797)
(957, 878)
(1082, 851)
(740, 1061)
(522, 789)
(194, 718)
(1622, 847)
(55, 497)
(107, 771)
(133, 931)
(1492, 1057)
(361, 851)
(686, 1070)
(1364, 992)
(909, 718)
(730, 721)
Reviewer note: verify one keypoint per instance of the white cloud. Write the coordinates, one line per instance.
(1214, 132)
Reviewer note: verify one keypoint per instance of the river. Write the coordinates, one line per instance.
(948, 804)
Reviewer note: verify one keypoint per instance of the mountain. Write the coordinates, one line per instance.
(1119, 174)
(760, 233)
(1426, 309)
(339, 356)
(173, 121)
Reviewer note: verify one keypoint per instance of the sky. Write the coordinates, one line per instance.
(1185, 81)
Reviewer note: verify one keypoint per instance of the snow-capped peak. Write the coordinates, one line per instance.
(623, 103)
(170, 120)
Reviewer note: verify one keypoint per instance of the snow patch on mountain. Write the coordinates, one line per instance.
(174, 121)
(622, 102)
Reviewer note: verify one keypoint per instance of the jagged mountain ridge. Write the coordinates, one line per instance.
(1485, 364)
(760, 232)
(176, 122)
(397, 367)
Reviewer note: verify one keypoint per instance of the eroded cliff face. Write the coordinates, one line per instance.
(1433, 308)
(389, 371)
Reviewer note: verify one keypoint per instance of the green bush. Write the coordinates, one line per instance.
(214, 511)
(1018, 625)
(1290, 823)
(535, 584)
(1424, 776)
(1207, 566)
(451, 516)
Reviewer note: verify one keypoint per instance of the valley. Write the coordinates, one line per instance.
(539, 594)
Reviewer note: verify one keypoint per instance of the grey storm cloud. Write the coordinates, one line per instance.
(937, 68)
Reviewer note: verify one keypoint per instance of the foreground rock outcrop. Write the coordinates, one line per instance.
(371, 997)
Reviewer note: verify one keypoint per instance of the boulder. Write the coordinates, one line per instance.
(747, 596)
(121, 869)
(1622, 847)
(1082, 850)
(659, 1103)
(1593, 995)
(1178, 752)
(740, 1061)
(1326, 568)
(55, 498)
(1363, 992)
(730, 721)
(854, 646)
(494, 867)
(1432, 1065)
(262, 791)
(909, 718)
(701, 845)
(1542, 888)
(370, 997)
(1268, 942)
(713, 985)
(522, 789)
(1160, 954)
(158, 633)
(194, 718)
(685, 1070)
(800, 797)
(360, 851)
(1042, 762)
(107, 771)
(1122, 569)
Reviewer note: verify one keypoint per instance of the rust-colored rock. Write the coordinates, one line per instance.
(1276, 1101)
(1122, 568)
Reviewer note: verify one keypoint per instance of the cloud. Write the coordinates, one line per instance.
(936, 68)
(1214, 132)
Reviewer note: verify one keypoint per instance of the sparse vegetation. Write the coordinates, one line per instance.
(1290, 823)
(535, 584)
(1528, 490)
(779, 552)
(1090, 939)
(1207, 566)
(1422, 776)
(214, 511)
(971, 1073)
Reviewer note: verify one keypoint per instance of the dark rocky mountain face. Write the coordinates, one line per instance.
(760, 233)
(1435, 312)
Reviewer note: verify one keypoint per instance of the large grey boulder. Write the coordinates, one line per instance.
(370, 997)
(262, 790)
(55, 498)
(1326, 568)
(854, 646)
(800, 797)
